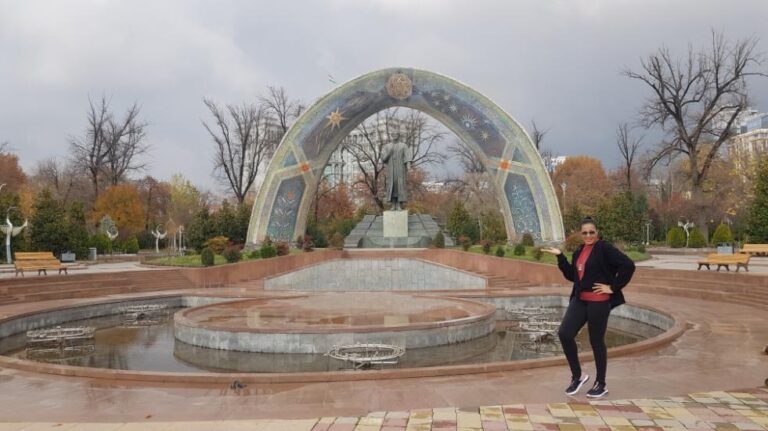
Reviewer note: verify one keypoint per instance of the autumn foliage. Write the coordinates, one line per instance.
(586, 182)
(123, 204)
(11, 174)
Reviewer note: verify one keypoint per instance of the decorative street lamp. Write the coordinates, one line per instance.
(563, 186)
(181, 240)
(648, 233)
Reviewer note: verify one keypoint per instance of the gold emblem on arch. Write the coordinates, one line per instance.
(399, 86)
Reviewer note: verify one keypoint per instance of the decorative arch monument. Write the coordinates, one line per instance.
(524, 190)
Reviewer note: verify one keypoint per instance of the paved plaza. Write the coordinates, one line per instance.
(757, 265)
(719, 411)
(719, 349)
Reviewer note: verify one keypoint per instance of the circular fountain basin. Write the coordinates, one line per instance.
(315, 323)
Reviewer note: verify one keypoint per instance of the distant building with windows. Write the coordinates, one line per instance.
(553, 162)
(435, 186)
(343, 166)
(751, 142)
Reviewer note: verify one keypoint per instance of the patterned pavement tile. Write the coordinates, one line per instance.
(592, 420)
(707, 411)
(520, 426)
(615, 421)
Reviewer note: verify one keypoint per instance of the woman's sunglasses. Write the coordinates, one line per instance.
(588, 233)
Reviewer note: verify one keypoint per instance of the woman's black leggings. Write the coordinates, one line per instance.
(596, 315)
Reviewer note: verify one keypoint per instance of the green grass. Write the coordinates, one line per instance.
(195, 261)
(192, 260)
(548, 258)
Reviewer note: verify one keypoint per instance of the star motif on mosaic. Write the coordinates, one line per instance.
(335, 119)
(453, 108)
(468, 121)
(504, 164)
(484, 135)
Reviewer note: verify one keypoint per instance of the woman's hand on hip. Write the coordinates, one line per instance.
(602, 288)
(552, 250)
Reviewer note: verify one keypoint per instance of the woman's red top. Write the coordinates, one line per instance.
(580, 267)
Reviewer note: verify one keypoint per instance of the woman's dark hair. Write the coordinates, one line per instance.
(587, 220)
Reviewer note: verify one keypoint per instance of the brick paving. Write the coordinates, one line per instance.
(706, 411)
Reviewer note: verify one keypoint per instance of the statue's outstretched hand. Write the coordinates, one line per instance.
(552, 250)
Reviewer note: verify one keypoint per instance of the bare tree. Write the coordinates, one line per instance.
(281, 108)
(628, 149)
(242, 141)
(125, 143)
(109, 148)
(421, 136)
(49, 173)
(384, 127)
(468, 159)
(90, 150)
(366, 150)
(156, 197)
(697, 100)
(537, 135)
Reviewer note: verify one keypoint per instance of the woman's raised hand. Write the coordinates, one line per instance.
(551, 250)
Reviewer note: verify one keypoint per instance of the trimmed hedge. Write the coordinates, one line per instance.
(207, 257)
(676, 237)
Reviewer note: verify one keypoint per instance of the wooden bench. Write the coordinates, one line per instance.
(40, 261)
(725, 260)
(755, 249)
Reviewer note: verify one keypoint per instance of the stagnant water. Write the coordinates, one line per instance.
(151, 346)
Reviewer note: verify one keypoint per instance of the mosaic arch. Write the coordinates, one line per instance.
(524, 191)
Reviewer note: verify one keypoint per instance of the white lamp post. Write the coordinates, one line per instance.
(563, 186)
(648, 233)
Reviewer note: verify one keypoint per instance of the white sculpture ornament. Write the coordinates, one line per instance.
(687, 228)
(158, 236)
(111, 235)
(10, 231)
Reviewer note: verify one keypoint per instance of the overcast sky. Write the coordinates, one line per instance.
(558, 62)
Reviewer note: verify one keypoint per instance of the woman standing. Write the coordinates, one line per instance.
(599, 271)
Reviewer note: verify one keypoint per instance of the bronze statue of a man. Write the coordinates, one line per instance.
(397, 158)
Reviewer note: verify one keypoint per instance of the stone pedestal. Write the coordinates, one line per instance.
(369, 233)
(396, 224)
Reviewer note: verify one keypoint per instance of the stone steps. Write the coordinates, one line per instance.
(753, 299)
(52, 281)
(703, 275)
(696, 282)
(712, 287)
(8, 299)
(92, 285)
(93, 292)
(20, 290)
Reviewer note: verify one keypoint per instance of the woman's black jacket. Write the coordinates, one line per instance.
(605, 265)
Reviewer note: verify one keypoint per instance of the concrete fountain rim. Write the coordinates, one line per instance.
(208, 378)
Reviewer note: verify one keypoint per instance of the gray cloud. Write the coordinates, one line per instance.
(556, 61)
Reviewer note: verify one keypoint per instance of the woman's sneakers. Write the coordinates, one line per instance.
(576, 385)
(598, 390)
